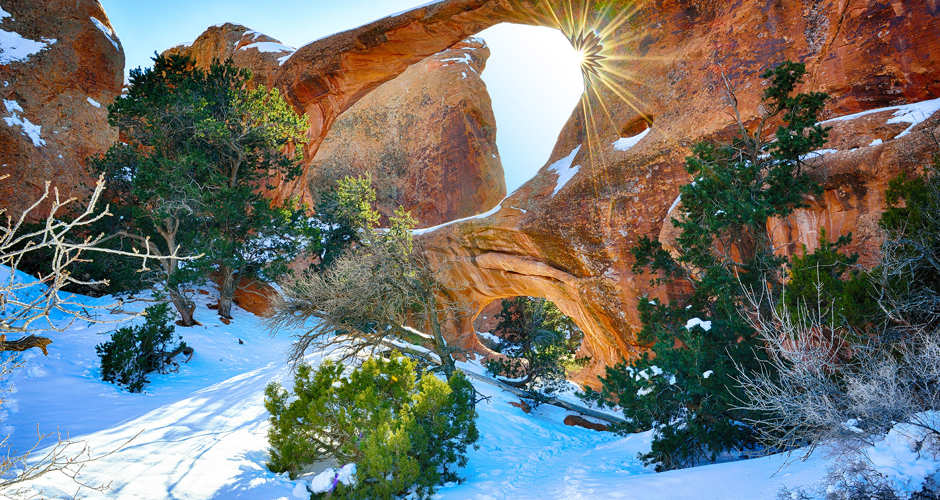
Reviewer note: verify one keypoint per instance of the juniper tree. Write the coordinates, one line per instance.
(200, 149)
(407, 431)
(687, 393)
(346, 214)
(152, 175)
(250, 136)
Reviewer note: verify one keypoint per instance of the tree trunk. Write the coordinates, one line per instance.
(184, 306)
(226, 291)
(447, 358)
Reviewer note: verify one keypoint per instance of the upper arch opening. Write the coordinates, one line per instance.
(534, 80)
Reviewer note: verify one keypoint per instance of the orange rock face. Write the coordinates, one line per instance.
(61, 64)
(566, 234)
(247, 49)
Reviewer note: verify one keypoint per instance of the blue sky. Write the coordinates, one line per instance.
(533, 75)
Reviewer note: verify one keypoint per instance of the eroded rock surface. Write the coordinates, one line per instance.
(427, 138)
(61, 64)
(256, 51)
(566, 234)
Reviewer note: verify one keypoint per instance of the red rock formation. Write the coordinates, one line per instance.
(254, 296)
(61, 64)
(247, 49)
(665, 61)
(664, 65)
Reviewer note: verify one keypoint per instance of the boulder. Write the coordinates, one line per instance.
(61, 64)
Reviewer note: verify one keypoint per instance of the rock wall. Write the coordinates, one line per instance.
(61, 64)
(427, 138)
(658, 85)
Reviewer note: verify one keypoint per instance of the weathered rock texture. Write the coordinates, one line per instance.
(258, 52)
(427, 136)
(61, 64)
(665, 59)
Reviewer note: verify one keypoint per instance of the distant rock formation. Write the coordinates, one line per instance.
(428, 138)
(61, 64)
(258, 52)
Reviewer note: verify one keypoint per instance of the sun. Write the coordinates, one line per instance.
(590, 51)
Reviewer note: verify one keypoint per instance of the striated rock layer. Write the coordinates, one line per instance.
(427, 136)
(61, 64)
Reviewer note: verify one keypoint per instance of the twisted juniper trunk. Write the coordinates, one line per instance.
(226, 291)
(447, 358)
(183, 305)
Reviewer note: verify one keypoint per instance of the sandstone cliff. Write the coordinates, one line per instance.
(61, 64)
(657, 88)
(258, 52)
(428, 138)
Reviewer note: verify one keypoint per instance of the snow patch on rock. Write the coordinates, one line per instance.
(16, 48)
(15, 119)
(564, 170)
(108, 32)
(913, 113)
(268, 47)
(625, 143)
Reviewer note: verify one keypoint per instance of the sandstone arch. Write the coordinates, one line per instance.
(569, 241)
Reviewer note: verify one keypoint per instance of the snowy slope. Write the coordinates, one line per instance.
(201, 432)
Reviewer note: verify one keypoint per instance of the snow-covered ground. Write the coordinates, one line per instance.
(201, 432)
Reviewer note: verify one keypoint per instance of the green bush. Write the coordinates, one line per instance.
(827, 276)
(133, 352)
(405, 434)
